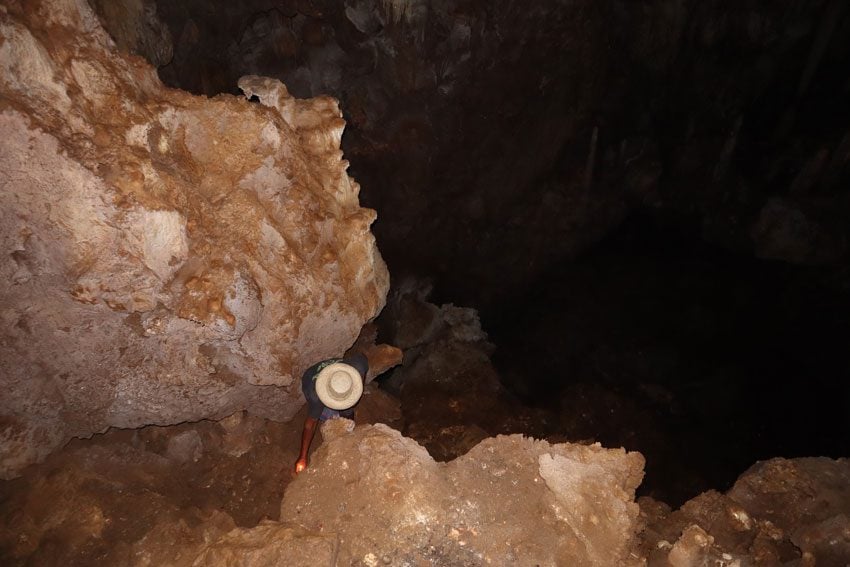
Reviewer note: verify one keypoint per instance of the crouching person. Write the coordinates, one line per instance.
(332, 388)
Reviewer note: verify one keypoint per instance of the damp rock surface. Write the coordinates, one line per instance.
(168, 257)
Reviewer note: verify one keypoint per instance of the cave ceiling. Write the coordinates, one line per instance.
(496, 139)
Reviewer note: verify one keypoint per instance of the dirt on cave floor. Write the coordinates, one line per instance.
(119, 483)
(156, 495)
(90, 502)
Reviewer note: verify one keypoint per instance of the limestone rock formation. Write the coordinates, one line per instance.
(370, 497)
(780, 512)
(168, 257)
(511, 500)
(267, 545)
(128, 498)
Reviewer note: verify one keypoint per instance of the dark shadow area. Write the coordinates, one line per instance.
(702, 359)
(502, 146)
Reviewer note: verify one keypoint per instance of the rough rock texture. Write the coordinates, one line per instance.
(381, 357)
(780, 512)
(125, 498)
(509, 500)
(107, 500)
(502, 137)
(168, 257)
(160, 496)
(501, 142)
(451, 395)
(377, 406)
(372, 497)
(268, 545)
(135, 27)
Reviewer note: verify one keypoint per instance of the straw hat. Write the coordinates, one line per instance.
(339, 386)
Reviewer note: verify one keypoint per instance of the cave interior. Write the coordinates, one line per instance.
(645, 202)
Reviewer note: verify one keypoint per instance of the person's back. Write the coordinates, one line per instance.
(332, 388)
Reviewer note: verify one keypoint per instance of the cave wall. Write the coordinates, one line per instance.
(501, 138)
(168, 257)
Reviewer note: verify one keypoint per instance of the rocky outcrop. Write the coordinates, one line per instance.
(511, 500)
(370, 497)
(780, 512)
(146, 496)
(209, 494)
(168, 257)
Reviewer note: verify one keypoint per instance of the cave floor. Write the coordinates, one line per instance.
(88, 503)
(146, 496)
(101, 501)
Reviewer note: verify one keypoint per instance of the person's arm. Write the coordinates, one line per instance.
(306, 439)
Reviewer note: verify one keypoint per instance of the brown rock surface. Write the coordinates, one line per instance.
(164, 496)
(268, 545)
(451, 394)
(135, 27)
(511, 500)
(121, 499)
(168, 257)
(372, 497)
(779, 512)
(377, 406)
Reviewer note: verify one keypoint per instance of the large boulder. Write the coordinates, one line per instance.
(510, 500)
(779, 512)
(372, 497)
(168, 257)
(369, 497)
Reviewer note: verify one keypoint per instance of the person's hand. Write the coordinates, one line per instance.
(300, 465)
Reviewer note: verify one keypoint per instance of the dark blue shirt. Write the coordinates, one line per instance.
(316, 409)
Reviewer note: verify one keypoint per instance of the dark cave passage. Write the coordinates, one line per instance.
(704, 360)
(561, 283)
(575, 275)
(646, 202)
(509, 154)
